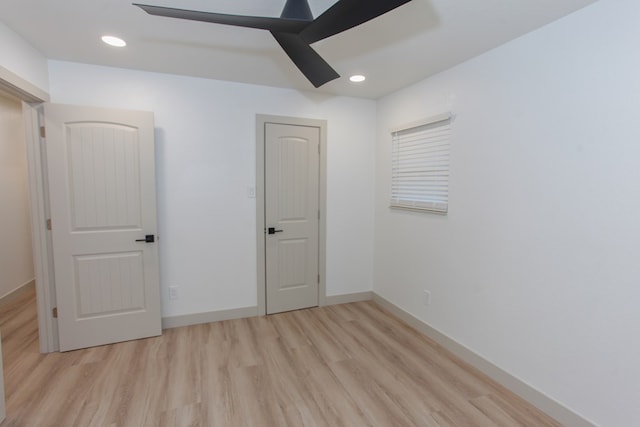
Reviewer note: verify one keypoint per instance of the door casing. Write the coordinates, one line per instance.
(261, 121)
(31, 96)
(41, 235)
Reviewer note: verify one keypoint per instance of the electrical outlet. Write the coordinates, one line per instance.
(426, 297)
(251, 191)
(173, 292)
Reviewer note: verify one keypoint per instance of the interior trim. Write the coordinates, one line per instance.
(532, 395)
(17, 292)
(19, 88)
(16, 87)
(208, 317)
(244, 312)
(261, 120)
(42, 254)
(348, 298)
(537, 398)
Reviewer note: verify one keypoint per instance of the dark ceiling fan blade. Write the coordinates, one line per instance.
(347, 14)
(264, 23)
(315, 69)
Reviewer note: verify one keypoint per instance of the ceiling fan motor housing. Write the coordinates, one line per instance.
(297, 9)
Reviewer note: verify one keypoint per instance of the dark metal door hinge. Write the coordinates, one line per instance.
(55, 312)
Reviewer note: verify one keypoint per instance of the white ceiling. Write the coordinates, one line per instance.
(406, 45)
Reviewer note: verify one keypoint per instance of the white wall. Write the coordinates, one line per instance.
(16, 258)
(22, 59)
(537, 265)
(205, 142)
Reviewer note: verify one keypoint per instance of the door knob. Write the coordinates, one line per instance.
(272, 230)
(149, 238)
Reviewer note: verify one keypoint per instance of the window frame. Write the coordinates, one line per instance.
(432, 199)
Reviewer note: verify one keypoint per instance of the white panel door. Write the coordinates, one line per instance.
(101, 172)
(291, 216)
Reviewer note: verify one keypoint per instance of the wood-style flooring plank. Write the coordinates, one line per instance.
(347, 365)
(492, 410)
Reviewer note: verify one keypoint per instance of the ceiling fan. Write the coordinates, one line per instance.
(296, 29)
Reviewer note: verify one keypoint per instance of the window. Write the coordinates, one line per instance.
(420, 165)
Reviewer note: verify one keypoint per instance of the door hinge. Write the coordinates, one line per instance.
(318, 214)
(49, 224)
(55, 312)
(43, 133)
(318, 278)
(318, 148)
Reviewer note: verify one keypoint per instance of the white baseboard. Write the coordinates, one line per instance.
(17, 292)
(347, 298)
(537, 398)
(240, 313)
(208, 317)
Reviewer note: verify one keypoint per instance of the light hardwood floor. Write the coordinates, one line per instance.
(347, 365)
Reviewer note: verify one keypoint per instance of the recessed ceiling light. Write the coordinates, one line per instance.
(114, 41)
(357, 78)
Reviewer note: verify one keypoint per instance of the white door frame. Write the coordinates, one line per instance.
(41, 235)
(31, 96)
(261, 121)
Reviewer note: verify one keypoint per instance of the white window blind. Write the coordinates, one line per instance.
(420, 165)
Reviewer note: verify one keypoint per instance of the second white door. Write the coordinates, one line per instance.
(291, 216)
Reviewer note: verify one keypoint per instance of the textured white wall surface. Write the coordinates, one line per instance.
(537, 265)
(205, 151)
(535, 268)
(22, 59)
